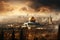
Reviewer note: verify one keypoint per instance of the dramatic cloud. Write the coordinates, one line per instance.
(10, 9)
(4, 6)
(34, 4)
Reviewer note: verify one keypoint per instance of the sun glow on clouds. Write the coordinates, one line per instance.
(17, 8)
(22, 9)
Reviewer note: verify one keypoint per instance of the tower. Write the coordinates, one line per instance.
(50, 20)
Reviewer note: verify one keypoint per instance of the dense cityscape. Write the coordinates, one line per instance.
(17, 31)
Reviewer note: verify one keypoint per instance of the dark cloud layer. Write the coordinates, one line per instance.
(53, 4)
(36, 4)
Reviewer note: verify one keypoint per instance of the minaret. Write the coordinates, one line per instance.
(50, 20)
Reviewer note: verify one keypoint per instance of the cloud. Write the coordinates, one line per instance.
(4, 6)
(53, 4)
(12, 8)
(34, 4)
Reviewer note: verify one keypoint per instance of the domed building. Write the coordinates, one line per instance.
(31, 23)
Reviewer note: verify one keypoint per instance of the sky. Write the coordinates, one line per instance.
(12, 9)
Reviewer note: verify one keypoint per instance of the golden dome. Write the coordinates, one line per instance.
(32, 19)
